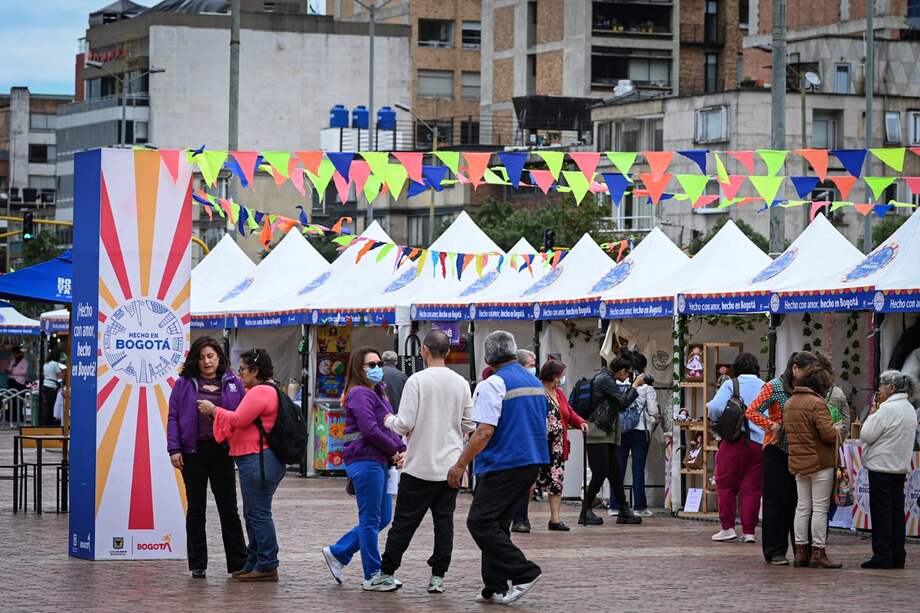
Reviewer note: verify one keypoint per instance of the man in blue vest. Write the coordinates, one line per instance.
(509, 446)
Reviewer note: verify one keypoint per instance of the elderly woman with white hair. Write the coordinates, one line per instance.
(888, 434)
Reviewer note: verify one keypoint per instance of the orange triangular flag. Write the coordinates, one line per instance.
(476, 165)
(844, 183)
(368, 244)
(412, 162)
(745, 157)
(170, 159)
(337, 228)
(655, 187)
(864, 209)
(658, 162)
(310, 159)
(818, 160)
(279, 178)
(265, 236)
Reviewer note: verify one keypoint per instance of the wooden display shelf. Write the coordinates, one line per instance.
(692, 471)
(697, 426)
(693, 384)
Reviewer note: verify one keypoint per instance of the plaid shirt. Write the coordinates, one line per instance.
(767, 410)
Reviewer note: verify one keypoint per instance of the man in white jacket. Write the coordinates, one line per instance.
(889, 433)
(435, 411)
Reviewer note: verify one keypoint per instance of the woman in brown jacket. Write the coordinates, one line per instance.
(812, 459)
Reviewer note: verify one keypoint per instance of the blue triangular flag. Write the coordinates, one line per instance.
(804, 185)
(881, 209)
(617, 184)
(501, 260)
(460, 258)
(200, 200)
(434, 176)
(514, 163)
(852, 159)
(341, 161)
(697, 156)
(241, 221)
(664, 196)
(416, 188)
(303, 215)
(259, 216)
(234, 167)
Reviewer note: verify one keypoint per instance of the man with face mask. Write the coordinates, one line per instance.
(435, 411)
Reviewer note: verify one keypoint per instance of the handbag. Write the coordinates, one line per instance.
(842, 494)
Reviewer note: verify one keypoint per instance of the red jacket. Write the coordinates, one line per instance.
(570, 419)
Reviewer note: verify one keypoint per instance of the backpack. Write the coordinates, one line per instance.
(581, 397)
(732, 425)
(288, 438)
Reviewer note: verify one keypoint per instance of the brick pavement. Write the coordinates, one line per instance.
(664, 565)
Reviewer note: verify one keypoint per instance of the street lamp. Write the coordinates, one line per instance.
(434, 147)
(123, 82)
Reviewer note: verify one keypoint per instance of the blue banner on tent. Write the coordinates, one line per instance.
(268, 320)
(501, 312)
(822, 302)
(54, 326)
(567, 310)
(433, 312)
(19, 330)
(372, 317)
(897, 302)
(208, 323)
(658, 307)
(714, 305)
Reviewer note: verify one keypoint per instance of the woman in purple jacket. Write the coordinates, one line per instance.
(370, 448)
(193, 450)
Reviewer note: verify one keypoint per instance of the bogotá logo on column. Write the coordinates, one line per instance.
(143, 339)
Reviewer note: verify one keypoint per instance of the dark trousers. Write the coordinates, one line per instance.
(212, 464)
(604, 463)
(521, 514)
(635, 442)
(47, 400)
(779, 500)
(495, 500)
(886, 508)
(413, 500)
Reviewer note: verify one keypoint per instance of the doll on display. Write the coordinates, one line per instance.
(695, 363)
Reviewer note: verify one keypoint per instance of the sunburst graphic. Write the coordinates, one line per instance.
(144, 288)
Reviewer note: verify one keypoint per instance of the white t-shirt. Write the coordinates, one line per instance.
(488, 400)
(51, 373)
(435, 410)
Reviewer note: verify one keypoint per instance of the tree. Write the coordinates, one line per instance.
(756, 237)
(886, 228)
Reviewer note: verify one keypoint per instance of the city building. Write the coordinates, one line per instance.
(27, 161)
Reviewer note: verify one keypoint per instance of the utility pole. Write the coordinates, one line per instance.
(233, 133)
(778, 116)
(870, 89)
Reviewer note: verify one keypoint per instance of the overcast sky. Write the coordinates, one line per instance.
(38, 42)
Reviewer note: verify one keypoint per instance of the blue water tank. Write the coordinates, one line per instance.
(386, 118)
(338, 116)
(360, 118)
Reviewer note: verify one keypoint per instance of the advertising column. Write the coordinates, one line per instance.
(131, 287)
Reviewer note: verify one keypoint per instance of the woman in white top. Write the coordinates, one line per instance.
(888, 434)
(51, 381)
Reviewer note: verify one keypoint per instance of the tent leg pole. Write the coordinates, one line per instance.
(471, 350)
(877, 320)
(537, 332)
(304, 396)
(775, 321)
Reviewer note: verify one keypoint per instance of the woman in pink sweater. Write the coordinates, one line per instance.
(260, 469)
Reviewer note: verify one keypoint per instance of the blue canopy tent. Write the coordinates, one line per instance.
(45, 282)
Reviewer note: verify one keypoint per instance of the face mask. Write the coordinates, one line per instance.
(532, 370)
(375, 375)
(562, 381)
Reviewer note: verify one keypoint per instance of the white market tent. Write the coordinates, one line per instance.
(223, 269)
(55, 321)
(12, 322)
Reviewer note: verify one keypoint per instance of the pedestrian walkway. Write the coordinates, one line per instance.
(665, 564)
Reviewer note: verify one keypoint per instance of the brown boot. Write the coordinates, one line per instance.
(801, 556)
(257, 575)
(819, 559)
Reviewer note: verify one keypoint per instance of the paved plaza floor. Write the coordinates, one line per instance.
(666, 564)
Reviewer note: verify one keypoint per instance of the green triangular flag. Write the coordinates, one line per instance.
(210, 163)
(502, 172)
(384, 251)
(279, 160)
(893, 157)
(773, 159)
(767, 187)
(372, 188)
(720, 171)
(396, 178)
(839, 205)
(878, 184)
(553, 161)
(321, 181)
(234, 211)
(793, 203)
(345, 239)
(578, 182)
(451, 159)
(492, 178)
(681, 197)
(251, 221)
(623, 160)
(727, 203)
(377, 161)
(272, 218)
(694, 185)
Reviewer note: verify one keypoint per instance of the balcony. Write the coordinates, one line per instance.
(632, 18)
(703, 35)
(95, 104)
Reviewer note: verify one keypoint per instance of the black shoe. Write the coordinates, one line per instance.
(875, 563)
(588, 518)
(626, 516)
(199, 573)
(559, 527)
(521, 527)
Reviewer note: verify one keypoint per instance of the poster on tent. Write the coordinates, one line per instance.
(859, 480)
(130, 335)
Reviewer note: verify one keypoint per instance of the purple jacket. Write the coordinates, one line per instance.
(364, 413)
(182, 426)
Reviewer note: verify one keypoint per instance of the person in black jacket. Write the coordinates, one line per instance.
(611, 394)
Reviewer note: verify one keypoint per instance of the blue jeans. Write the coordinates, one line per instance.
(637, 443)
(262, 552)
(374, 514)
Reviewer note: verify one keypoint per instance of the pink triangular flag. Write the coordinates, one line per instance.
(730, 189)
(297, 180)
(915, 150)
(170, 159)
(817, 206)
(597, 188)
(247, 162)
(477, 162)
(359, 172)
(913, 183)
(341, 186)
(464, 180)
(543, 179)
(586, 162)
(412, 162)
(310, 159)
(279, 178)
(658, 162)
(746, 158)
(864, 209)
(705, 200)
(844, 183)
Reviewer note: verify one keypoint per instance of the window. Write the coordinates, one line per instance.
(605, 136)
(648, 67)
(435, 84)
(824, 130)
(913, 9)
(711, 22)
(744, 13)
(634, 213)
(914, 118)
(628, 136)
(140, 132)
(42, 121)
(712, 125)
(469, 132)
(41, 182)
(841, 78)
(42, 154)
(711, 73)
(423, 134)
(638, 135)
(893, 127)
(435, 33)
(469, 85)
(471, 34)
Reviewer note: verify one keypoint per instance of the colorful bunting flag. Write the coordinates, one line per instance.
(553, 160)
(451, 159)
(587, 162)
(170, 159)
(655, 187)
(697, 156)
(720, 170)
(658, 162)
(818, 160)
(732, 186)
(623, 160)
(311, 160)
(616, 184)
(395, 179)
(476, 163)
(694, 185)
(279, 161)
(773, 159)
(543, 179)
(412, 160)
(342, 162)
(852, 160)
(321, 181)
(578, 182)
(804, 185)
(746, 158)
(878, 185)
(844, 183)
(892, 157)
(767, 187)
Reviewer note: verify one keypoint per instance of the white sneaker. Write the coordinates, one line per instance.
(725, 535)
(643, 513)
(380, 583)
(613, 512)
(517, 591)
(335, 567)
(493, 599)
(436, 585)
(749, 538)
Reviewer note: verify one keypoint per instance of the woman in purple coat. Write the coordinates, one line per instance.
(370, 449)
(193, 450)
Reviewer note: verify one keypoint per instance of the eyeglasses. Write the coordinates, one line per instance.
(243, 369)
(373, 364)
